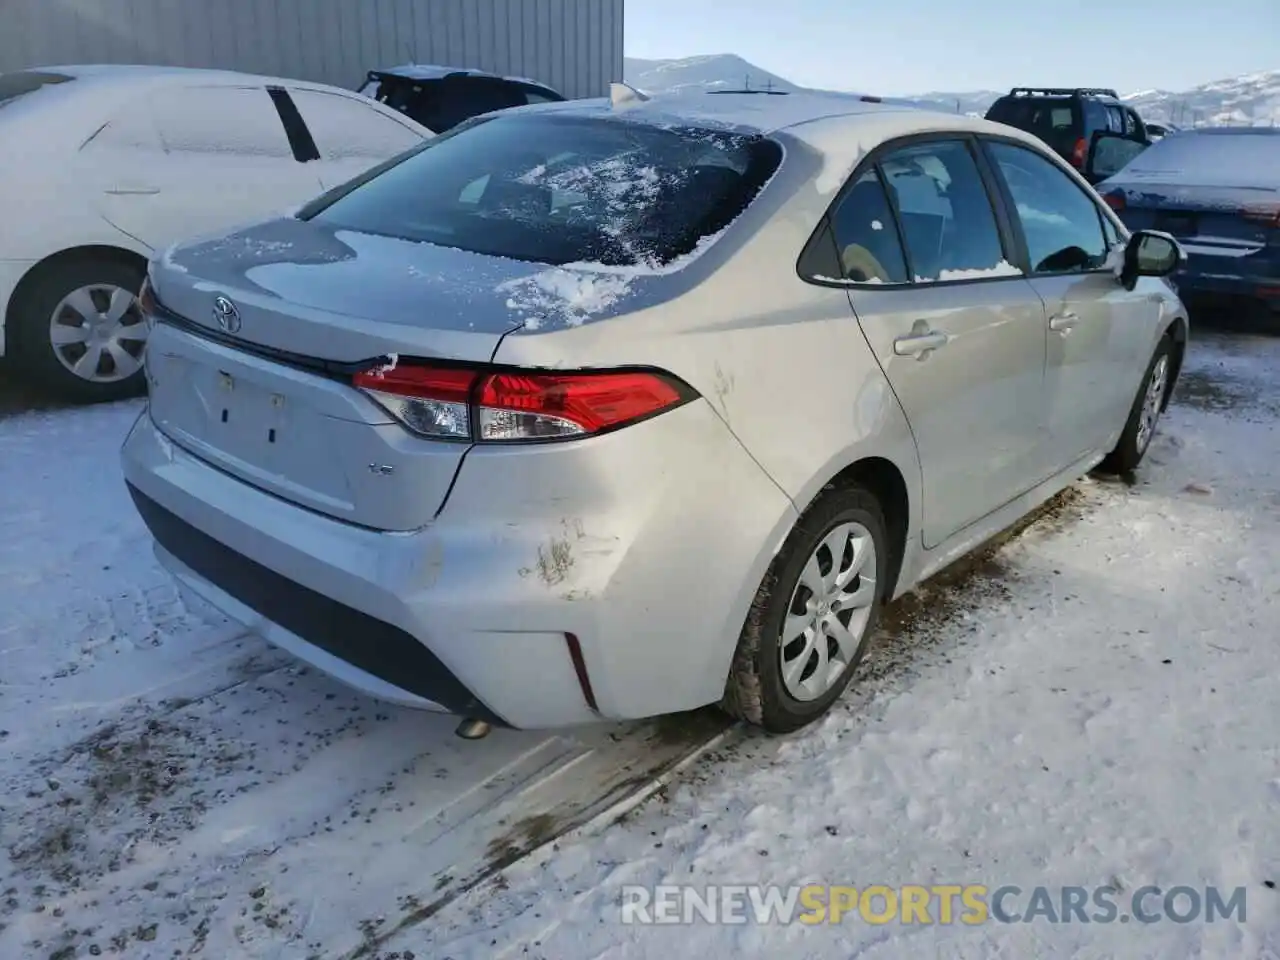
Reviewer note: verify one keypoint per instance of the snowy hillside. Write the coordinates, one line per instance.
(1251, 99)
(972, 101)
(724, 70)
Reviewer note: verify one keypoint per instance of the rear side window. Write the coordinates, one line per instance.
(19, 84)
(866, 235)
(555, 189)
(947, 219)
(235, 121)
(346, 129)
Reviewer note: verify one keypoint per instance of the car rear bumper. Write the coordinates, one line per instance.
(1208, 284)
(558, 586)
(1255, 276)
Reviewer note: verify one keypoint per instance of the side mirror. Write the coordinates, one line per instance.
(1109, 153)
(1150, 253)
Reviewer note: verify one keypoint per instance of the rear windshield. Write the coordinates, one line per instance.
(554, 189)
(15, 85)
(1052, 119)
(1234, 159)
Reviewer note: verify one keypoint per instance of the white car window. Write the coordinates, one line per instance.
(345, 128)
(220, 120)
(947, 219)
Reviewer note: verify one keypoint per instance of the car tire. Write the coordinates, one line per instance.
(763, 686)
(1144, 414)
(49, 301)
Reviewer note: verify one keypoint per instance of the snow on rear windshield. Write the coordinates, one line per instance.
(1234, 159)
(560, 190)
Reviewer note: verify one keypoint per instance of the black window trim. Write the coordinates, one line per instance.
(1011, 206)
(301, 142)
(1012, 245)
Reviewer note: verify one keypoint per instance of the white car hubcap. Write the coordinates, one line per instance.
(98, 333)
(829, 611)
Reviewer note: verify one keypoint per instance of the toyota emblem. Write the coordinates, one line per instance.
(225, 312)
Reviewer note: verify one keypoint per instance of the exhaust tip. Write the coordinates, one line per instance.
(473, 729)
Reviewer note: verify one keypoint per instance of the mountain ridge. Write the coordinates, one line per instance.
(1249, 99)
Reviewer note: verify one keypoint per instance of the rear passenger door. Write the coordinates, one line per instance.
(192, 160)
(350, 134)
(1095, 326)
(959, 333)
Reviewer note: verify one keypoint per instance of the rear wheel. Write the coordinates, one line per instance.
(80, 331)
(811, 620)
(1144, 415)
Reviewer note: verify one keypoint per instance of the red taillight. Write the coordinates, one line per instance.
(1267, 214)
(454, 403)
(1115, 200)
(1079, 153)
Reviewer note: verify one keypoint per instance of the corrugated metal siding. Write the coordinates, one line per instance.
(573, 45)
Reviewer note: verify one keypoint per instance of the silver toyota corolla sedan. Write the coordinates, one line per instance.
(609, 409)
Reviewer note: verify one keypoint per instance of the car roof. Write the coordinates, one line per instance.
(99, 90)
(1062, 93)
(756, 112)
(433, 71)
(118, 75)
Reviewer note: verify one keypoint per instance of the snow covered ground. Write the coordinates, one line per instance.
(1096, 702)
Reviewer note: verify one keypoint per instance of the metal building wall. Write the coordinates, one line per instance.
(574, 45)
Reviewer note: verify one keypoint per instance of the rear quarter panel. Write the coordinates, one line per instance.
(782, 362)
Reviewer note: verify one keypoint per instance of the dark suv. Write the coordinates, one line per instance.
(1067, 118)
(440, 98)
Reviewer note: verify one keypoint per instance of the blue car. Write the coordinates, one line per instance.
(1217, 190)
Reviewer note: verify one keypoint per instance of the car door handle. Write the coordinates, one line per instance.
(1063, 322)
(920, 345)
(133, 190)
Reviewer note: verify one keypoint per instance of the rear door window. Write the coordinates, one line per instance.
(214, 121)
(23, 82)
(555, 189)
(344, 128)
(1096, 117)
(946, 215)
(1052, 119)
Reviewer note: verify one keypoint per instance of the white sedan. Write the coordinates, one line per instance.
(105, 165)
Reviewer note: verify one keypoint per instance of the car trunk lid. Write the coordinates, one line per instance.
(1230, 220)
(260, 332)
